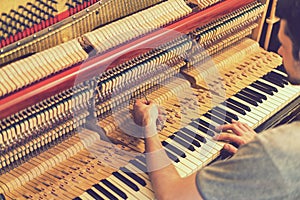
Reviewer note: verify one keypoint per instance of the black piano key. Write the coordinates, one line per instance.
(278, 76)
(94, 194)
(265, 85)
(284, 79)
(76, 198)
(214, 118)
(139, 165)
(226, 119)
(206, 124)
(235, 108)
(114, 188)
(126, 181)
(251, 96)
(202, 128)
(194, 135)
(230, 114)
(188, 138)
(261, 88)
(275, 81)
(133, 176)
(250, 101)
(245, 107)
(261, 96)
(281, 68)
(105, 192)
(172, 157)
(182, 142)
(173, 149)
(198, 126)
(142, 159)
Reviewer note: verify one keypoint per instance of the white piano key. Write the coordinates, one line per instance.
(209, 143)
(85, 196)
(282, 91)
(245, 119)
(131, 194)
(190, 157)
(260, 110)
(141, 174)
(270, 98)
(98, 192)
(251, 114)
(148, 193)
(109, 190)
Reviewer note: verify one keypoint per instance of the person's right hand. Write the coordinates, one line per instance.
(145, 113)
(236, 132)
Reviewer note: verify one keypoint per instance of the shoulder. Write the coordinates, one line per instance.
(282, 139)
(282, 144)
(272, 157)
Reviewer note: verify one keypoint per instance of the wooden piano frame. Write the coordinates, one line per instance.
(64, 80)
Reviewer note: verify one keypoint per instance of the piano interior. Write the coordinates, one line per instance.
(70, 71)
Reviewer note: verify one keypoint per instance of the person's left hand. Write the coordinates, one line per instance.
(236, 132)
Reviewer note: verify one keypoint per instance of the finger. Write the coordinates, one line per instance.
(233, 127)
(242, 126)
(137, 102)
(230, 138)
(140, 101)
(225, 126)
(230, 148)
(248, 128)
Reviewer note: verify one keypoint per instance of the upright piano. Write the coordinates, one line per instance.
(70, 71)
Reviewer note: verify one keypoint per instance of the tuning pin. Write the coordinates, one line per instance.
(71, 9)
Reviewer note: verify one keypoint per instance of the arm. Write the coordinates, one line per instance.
(166, 182)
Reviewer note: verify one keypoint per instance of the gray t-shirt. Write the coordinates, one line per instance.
(266, 168)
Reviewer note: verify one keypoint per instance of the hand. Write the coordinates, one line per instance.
(145, 114)
(237, 132)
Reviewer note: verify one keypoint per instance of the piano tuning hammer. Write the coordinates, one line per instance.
(145, 97)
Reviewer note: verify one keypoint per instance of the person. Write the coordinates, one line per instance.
(266, 165)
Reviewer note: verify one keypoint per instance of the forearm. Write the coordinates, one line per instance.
(166, 182)
(161, 170)
(156, 156)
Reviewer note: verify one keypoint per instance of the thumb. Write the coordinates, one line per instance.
(230, 148)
